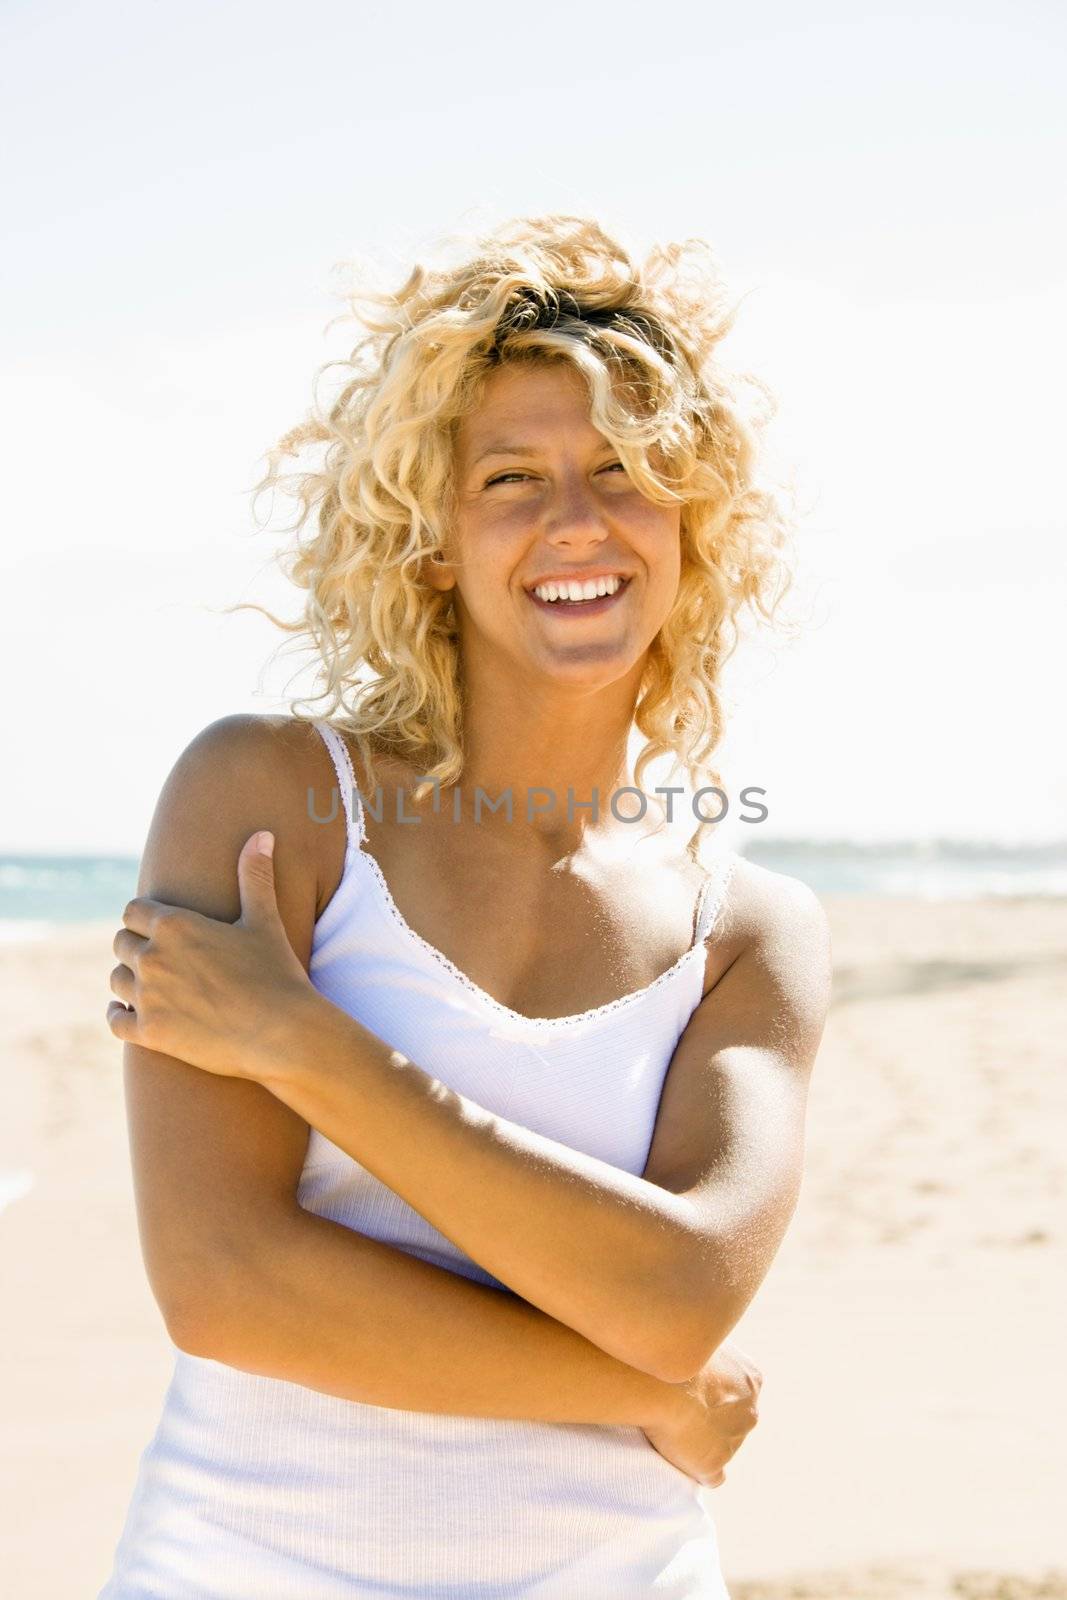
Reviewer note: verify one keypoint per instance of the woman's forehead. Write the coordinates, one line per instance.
(517, 381)
(514, 404)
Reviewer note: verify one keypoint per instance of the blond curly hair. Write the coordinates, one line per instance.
(644, 336)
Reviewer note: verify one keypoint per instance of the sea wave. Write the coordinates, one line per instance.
(39, 894)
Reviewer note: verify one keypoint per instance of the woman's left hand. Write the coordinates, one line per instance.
(218, 995)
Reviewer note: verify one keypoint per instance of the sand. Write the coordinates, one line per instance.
(912, 1331)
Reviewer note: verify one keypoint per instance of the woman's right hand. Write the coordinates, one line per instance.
(705, 1420)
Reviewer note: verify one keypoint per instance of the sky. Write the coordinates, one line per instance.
(884, 190)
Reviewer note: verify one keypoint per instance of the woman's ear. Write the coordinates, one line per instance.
(437, 572)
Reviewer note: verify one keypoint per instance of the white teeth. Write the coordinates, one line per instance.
(592, 589)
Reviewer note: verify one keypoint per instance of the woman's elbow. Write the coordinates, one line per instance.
(680, 1355)
(679, 1341)
(187, 1332)
(693, 1324)
(205, 1313)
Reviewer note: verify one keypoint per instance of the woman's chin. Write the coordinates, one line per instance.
(587, 667)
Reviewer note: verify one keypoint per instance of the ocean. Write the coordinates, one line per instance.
(39, 893)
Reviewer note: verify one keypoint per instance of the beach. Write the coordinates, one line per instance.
(911, 1439)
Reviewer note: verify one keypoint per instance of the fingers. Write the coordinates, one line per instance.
(123, 983)
(121, 1015)
(128, 945)
(122, 1021)
(156, 919)
(151, 930)
(142, 913)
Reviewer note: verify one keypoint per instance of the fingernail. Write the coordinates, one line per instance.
(265, 844)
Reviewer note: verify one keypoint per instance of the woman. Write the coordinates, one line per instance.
(461, 1139)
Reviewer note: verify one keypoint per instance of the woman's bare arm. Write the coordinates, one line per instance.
(317, 1304)
(654, 1269)
(243, 1274)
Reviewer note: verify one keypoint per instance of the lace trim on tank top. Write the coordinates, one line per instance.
(709, 904)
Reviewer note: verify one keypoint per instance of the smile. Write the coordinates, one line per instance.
(570, 602)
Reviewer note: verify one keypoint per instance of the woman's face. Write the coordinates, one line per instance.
(542, 497)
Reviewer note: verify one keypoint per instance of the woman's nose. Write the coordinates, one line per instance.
(574, 516)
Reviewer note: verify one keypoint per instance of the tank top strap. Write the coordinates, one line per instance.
(346, 781)
(713, 893)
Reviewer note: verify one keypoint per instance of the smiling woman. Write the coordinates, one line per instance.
(460, 1148)
(442, 422)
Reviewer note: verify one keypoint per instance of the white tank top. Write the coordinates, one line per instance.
(254, 1488)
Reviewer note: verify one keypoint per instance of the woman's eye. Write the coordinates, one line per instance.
(502, 477)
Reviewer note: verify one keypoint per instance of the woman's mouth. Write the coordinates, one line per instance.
(564, 606)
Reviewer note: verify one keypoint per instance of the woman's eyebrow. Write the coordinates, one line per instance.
(502, 449)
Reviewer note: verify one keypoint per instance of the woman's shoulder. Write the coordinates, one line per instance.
(256, 734)
(246, 771)
(774, 927)
(763, 905)
(260, 751)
